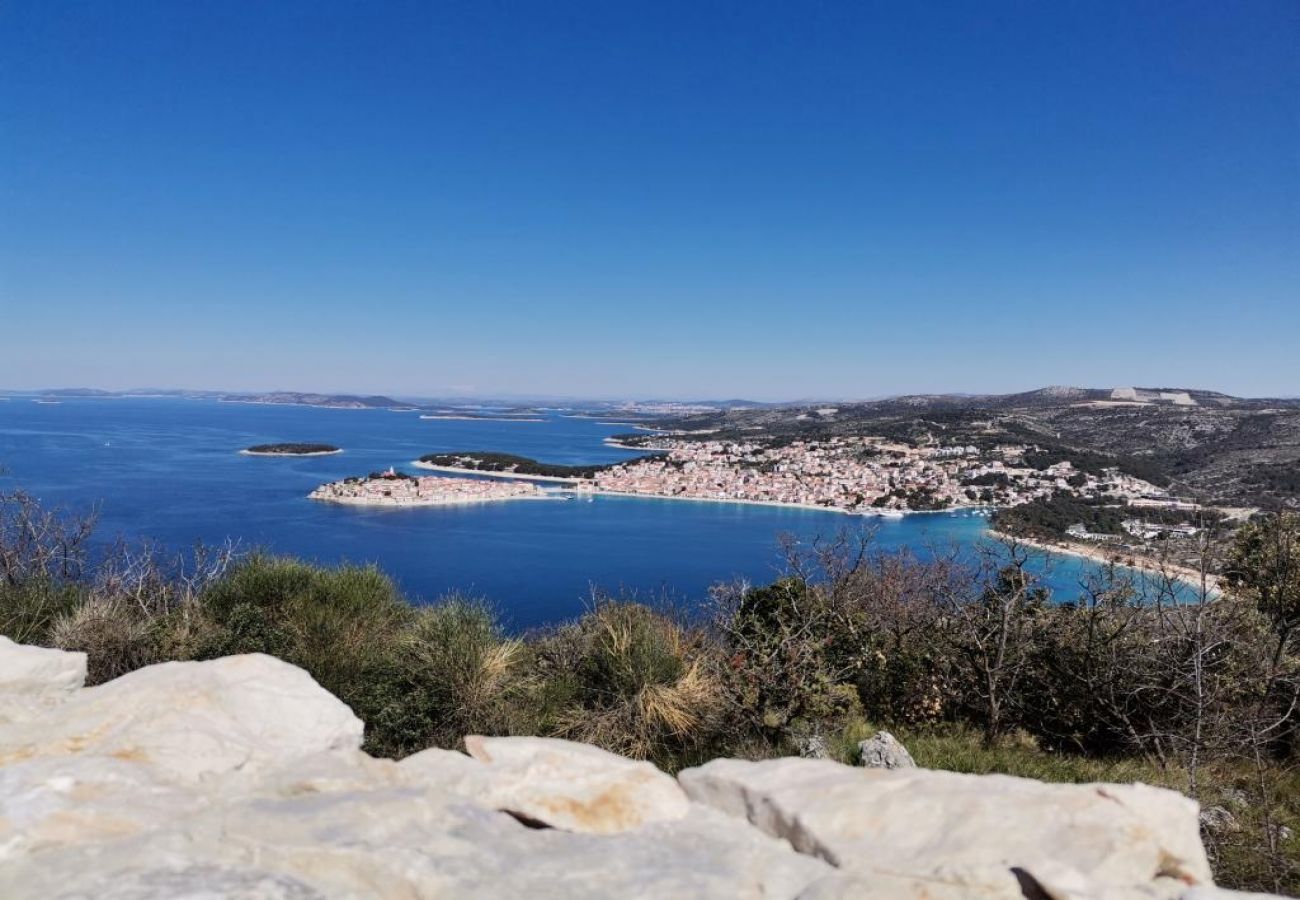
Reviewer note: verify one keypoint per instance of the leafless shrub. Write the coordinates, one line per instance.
(154, 582)
(41, 544)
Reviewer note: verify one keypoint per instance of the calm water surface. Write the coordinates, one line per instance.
(170, 470)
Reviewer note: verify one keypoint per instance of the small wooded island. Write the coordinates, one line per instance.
(489, 463)
(291, 450)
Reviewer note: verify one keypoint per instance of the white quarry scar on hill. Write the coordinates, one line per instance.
(242, 778)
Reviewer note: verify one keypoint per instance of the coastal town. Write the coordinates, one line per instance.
(1027, 490)
(1030, 490)
(393, 488)
(858, 474)
(1062, 504)
(862, 475)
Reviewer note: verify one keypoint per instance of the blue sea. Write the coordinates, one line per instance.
(169, 470)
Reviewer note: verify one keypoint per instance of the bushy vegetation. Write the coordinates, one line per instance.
(1049, 517)
(967, 659)
(1277, 482)
(1096, 463)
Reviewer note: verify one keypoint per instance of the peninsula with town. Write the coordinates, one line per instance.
(856, 475)
(1126, 474)
(1131, 474)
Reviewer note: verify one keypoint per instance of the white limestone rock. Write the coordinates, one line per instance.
(1219, 820)
(574, 786)
(407, 842)
(242, 778)
(54, 802)
(33, 679)
(464, 850)
(885, 886)
(880, 886)
(447, 771)
(115, 879)
(813, 746)
(884, 751)
(966, 831)
(191, 720)
(198, 882)
(333, 771)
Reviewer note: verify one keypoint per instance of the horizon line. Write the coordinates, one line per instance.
(648, 398)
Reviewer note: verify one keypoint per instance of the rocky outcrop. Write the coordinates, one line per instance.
(883, 751)
(966, 835)
(242, 778)
(187, 720)
(575, 787)
(32, 679)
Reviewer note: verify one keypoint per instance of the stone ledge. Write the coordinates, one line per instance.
(243, 778)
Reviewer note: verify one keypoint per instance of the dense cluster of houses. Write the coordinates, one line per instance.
(392, 488)
(854, 473)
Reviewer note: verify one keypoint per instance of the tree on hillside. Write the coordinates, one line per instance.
(1264, 567)
(993, 633)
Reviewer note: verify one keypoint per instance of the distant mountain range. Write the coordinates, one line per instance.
(1047, 396)
(380, 401)
(333, 401)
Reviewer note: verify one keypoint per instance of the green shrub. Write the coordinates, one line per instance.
(344, 625)
(459, 676)
(901, 682)
(29, 609)
(789, 677)
(184, 632)
(634, 681)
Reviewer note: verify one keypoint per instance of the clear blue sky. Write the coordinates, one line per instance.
(770, 200)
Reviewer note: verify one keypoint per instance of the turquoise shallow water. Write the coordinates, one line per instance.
(170, 470)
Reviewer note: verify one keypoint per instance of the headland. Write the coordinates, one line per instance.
(393, 488)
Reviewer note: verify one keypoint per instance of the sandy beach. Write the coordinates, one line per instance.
(1104, 555)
